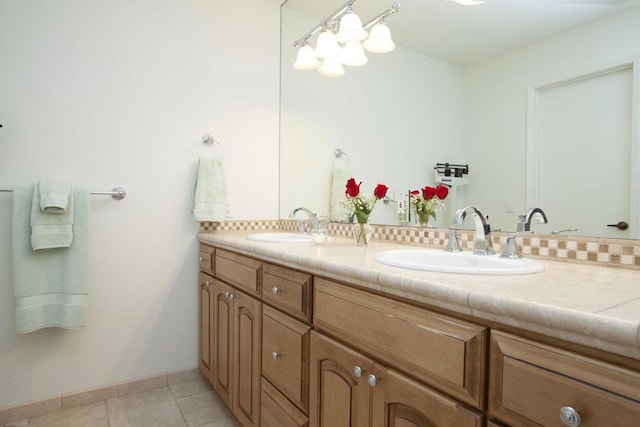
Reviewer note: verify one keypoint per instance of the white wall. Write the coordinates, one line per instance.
(496, 108)
(119, 92)
(395, 117)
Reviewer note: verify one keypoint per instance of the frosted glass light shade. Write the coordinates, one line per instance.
(331, 67)
(327, 45)
(379, 40)
(353, 55)
(306, 59)
(351, 29)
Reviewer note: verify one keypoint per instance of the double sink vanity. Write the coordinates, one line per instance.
(297, 334)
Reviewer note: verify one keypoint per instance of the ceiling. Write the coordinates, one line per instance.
(466, 35)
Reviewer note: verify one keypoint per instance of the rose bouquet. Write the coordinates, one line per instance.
(362, 205)
(428, 201)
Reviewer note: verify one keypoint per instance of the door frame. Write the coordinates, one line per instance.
(533, 133)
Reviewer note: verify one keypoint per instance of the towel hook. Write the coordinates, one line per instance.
(337, 153)
(209, 141)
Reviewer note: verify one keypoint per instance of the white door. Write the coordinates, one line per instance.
(584, 154)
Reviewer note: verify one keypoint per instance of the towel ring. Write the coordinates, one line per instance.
(210, 141)
(337, 153)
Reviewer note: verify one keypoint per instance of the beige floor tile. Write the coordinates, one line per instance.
(203, 408)
(225, 422)
(164, 414)
(190, 388)
(94, 414)
(20, 423)
(139, 400)
(144, 384)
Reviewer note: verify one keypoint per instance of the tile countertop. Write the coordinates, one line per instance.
(594, 306)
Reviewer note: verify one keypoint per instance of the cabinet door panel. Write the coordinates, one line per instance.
(288, 339)
(222, 340)
(337, 397)
(277, 411)
(247, 329)
(205, 320)
(399, 401)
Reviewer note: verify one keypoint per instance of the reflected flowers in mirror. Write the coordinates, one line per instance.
(427, 201)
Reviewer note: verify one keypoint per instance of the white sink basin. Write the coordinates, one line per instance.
(281, 237)
(460, 262)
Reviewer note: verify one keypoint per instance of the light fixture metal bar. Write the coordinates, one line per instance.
(395, 7)
(335, 15)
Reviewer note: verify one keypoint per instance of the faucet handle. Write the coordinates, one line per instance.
(453, 245)
(511, 248)
(302, 228)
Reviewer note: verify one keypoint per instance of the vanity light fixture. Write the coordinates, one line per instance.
(344, 27)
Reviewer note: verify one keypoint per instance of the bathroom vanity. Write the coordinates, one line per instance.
(304, 335)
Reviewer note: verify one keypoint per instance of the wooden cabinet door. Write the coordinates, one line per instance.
(205, 318)
(247, 331)
(339, 394)
(401, 402)
(222, 340)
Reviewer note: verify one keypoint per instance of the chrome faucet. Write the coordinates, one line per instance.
(312, 217)
(482, 244)
(525, 220)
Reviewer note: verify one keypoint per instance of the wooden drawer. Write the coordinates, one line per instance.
(285, 355)
(238, 270)
(205, 259)
(447, 353)
(277, 411)
(287, 290)
(530, 382)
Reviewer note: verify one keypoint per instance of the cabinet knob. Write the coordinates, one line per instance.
(276, 355)
(372, 380)
(357, 371)
(275, 290)
(230, 295)
(569, 416)
(207, 284)
(201, 260)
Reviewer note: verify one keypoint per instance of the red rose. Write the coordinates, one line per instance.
(442, 191)
(428, 193)
(353, 189)
(380, 191)
(415, 193)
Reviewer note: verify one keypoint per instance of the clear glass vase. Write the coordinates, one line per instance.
(423, 218)
(362, 233)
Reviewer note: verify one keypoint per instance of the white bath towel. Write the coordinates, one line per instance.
(50, 287)
(210, 196)
(54, 196)
(50, 230)
(340, 174)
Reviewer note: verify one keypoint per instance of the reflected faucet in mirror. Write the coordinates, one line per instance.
(312, 217)
(525, 220)
(482, 244)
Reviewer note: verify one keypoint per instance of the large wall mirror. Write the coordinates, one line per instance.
(539, 97)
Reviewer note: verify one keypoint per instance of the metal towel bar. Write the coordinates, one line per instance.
(118, 193)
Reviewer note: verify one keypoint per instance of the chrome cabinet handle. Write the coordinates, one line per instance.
(275, 355)
(230, 295)
(357, 371)
(569, 416)
(372, 380)
(275, 290)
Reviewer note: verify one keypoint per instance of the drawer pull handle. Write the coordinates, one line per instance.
(276, 355)
(372, 380)
(357, 371)
(569, 416)
(275, 290)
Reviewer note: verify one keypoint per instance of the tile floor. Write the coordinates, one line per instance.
(187, 404)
